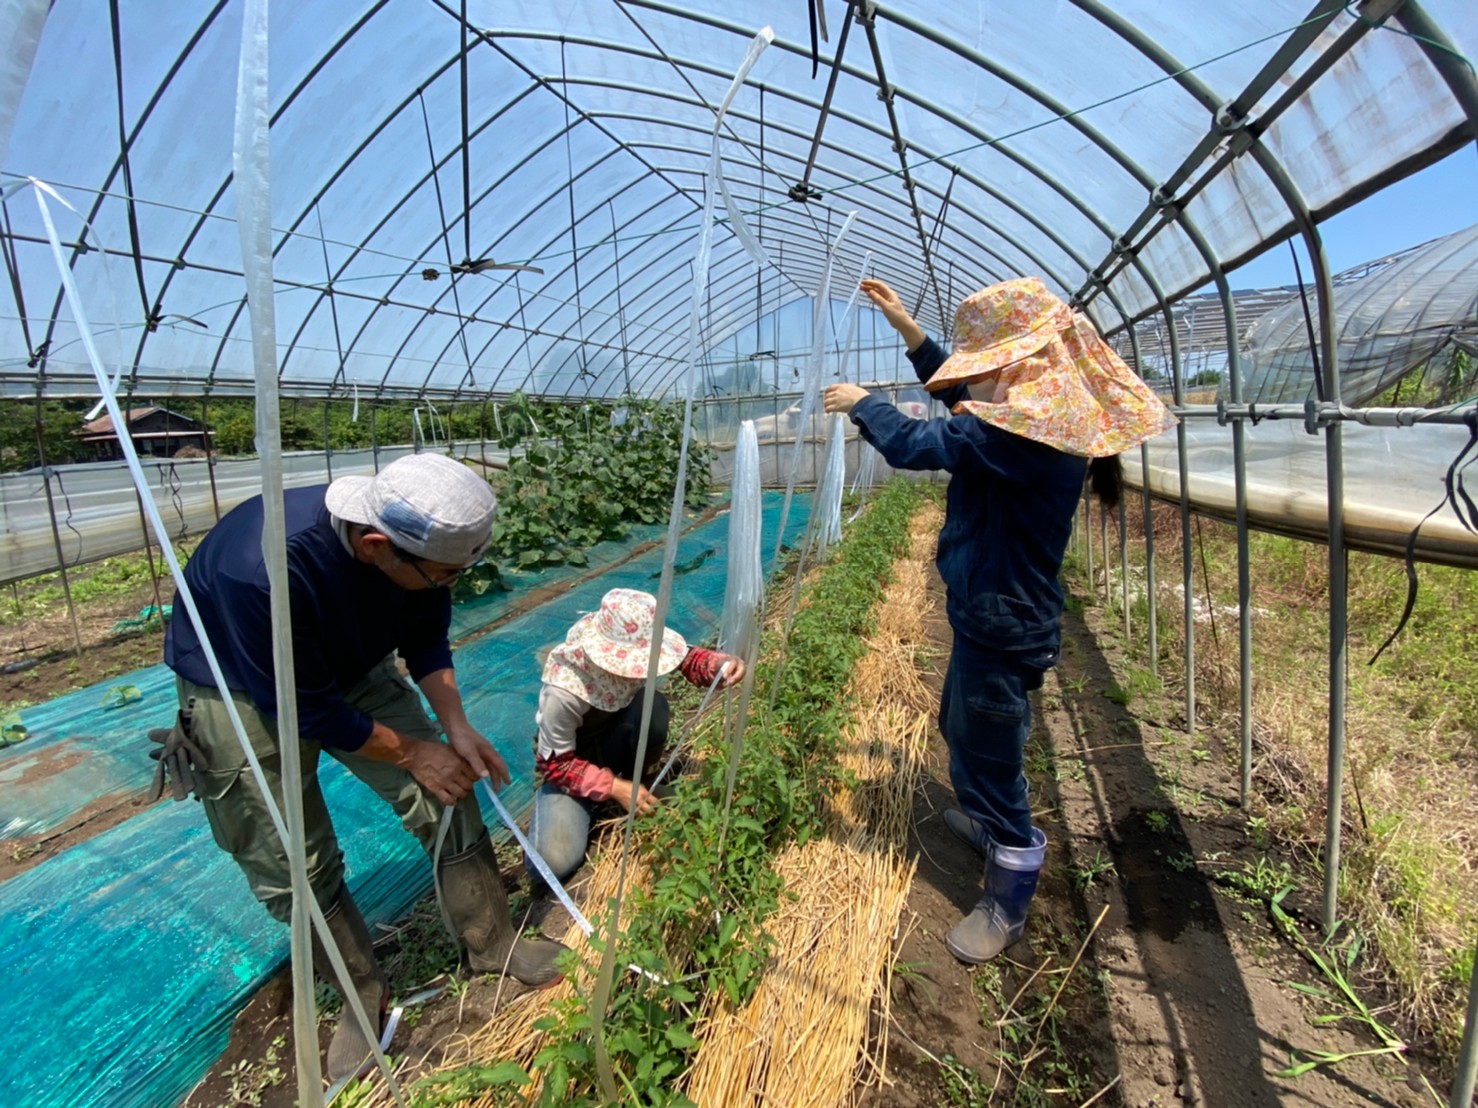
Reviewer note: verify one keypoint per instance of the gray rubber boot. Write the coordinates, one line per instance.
(969, 831)
(477, 904)
(349, 1049)
(1000, 918)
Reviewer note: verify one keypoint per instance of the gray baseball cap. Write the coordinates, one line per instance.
(427, 504)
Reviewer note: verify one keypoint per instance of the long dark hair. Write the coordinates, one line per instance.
(1106, 479)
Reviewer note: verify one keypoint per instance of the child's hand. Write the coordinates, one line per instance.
(733, 672)
(840, 399)
(621, 793)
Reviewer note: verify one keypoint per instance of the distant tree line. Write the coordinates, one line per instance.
(234, 422)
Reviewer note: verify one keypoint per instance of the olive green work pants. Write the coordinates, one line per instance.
(238, 814)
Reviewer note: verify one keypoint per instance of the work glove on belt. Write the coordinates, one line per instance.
(177, 756)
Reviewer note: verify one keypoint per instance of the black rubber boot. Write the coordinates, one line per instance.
(349, 1049)
(477, 905)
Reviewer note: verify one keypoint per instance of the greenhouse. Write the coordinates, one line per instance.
(1032, 440)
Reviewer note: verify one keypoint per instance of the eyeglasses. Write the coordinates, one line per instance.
(446, 581)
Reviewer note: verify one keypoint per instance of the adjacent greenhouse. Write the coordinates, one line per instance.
(608, 256)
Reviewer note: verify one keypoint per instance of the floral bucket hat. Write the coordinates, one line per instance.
(1067, 387)
(617, 637)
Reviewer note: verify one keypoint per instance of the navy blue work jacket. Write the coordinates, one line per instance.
(1007, 520)
(347, 617)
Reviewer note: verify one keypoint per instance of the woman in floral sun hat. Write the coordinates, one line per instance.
(1039, 403)
(589, 719)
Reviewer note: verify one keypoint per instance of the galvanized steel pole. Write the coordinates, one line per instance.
(1467, 1062)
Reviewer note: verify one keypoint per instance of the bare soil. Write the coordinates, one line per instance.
(1184, 993)
(39, 660)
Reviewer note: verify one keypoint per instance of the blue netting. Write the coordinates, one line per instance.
(79, 754)
(144, 941)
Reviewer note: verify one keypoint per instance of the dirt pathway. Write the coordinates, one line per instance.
(1182, 995)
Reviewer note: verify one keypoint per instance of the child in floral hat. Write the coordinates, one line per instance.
(589, 719)
(1040, 403)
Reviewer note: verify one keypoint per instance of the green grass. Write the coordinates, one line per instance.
(98, 582)
(1409, 884)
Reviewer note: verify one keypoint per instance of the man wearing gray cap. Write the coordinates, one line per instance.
(370, 560)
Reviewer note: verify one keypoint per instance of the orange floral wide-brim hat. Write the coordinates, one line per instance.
(1067, 387)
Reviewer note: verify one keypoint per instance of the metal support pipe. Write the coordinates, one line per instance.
(866, 15)
(1244, 610)
(801, 191)
(1150, 600)
(1088, 538)
(1445, 57)
(1314, 414)
(1124, 565)
(374, 437)
(1103, 545)
(328, 450)
(210, 455)
(1467, 1059)
(127, 429)
(1187, 579)
(1244, 570)
(1338, 658)
(1186, 566)
(56, 534)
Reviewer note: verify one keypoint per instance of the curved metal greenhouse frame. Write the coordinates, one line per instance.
(1129, 155)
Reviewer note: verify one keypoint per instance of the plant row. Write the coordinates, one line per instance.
(700, 923)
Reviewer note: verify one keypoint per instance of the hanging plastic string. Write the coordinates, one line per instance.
(109, 286)
(743, 600)
(601, 997)
(849, 320)
(812, 385)
(866, 474)
(745, 590)
(828, 507)
(683, 743)
(187, 599)
(741, 229)
(169, 478)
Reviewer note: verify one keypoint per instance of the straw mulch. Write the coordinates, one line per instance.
(805, 1038)
(510, 1035)
(799, 1039)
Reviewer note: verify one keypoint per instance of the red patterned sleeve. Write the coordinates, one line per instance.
(576, 776)
(701, 666)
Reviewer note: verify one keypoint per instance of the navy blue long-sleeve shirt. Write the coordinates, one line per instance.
(1008, 514)
(347, 616)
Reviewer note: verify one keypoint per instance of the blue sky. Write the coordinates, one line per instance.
(1437, 201)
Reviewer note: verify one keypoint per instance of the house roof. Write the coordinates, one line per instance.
(104, 426)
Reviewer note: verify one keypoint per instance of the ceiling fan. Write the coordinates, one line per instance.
(482, 265)
(479, 265)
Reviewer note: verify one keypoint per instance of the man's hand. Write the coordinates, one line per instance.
(479, 754)
(621, 793)
(840, 399)
(888, 302)
(444, 772)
